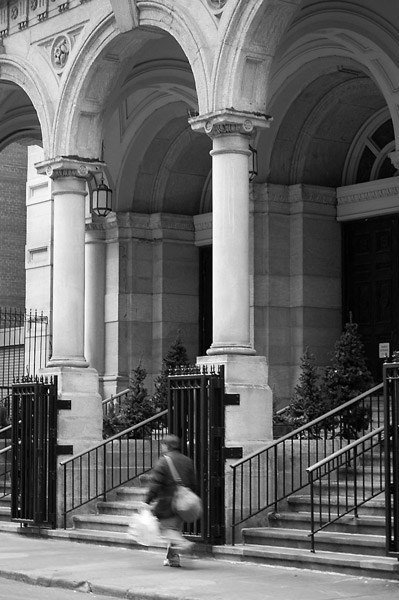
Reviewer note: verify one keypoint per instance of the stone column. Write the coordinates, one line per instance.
(248, 425)
(231, 132)
(80, 426)
(95, 297)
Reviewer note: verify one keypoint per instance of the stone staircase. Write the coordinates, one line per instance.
(352, 545)
(110, 523)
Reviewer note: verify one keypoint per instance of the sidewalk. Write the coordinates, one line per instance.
(139, 574)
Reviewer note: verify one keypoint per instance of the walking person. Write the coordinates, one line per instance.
(161, 489)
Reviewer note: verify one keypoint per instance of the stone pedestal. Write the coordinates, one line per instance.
(249, 424)
(80, 427)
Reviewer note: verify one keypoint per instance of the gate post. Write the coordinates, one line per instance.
(391, 451)
(248, 425)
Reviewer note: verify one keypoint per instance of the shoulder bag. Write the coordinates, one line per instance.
(185, 503)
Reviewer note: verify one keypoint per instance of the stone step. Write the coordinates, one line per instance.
(115, 523)
(130, 494)
(5, 513)
(353, 543)
(349, 523)
(302, 503)
(118, 508)
(334, 562)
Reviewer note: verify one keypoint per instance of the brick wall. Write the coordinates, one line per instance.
(13, 172)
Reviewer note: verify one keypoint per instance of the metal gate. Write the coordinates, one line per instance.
(391, 436)
(34, 439)
(196, 414)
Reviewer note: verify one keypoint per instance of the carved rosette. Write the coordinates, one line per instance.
(217, 6)
(60, 52)
(61, 167)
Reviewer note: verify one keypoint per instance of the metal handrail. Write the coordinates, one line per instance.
(336, 498)
(120, 459)
(3, 476)
(345, 449)
(107, 403)
(267, 476)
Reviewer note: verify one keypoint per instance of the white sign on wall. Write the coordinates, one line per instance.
(384, 350)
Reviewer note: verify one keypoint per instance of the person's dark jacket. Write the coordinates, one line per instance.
(162, 484)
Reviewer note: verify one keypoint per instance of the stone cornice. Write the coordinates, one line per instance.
(293, 194)
(229, 121)
(16, 17)
(368, 192)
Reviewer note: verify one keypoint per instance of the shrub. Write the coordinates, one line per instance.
(137, 406)
(347, 377)
(175, 356)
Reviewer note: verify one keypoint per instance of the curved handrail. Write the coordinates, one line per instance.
(114, 396)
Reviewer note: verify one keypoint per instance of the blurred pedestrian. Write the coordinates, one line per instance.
(161, 489)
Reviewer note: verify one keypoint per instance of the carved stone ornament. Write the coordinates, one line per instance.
(60, 52)
(217, 5)
(33, 4)
(216, 129)
(229, 121)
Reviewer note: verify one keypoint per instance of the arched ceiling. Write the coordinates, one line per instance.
(18, 118)
(313, 137)
(156, 162)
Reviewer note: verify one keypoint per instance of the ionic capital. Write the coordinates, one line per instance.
(230, 121)
(62, 166)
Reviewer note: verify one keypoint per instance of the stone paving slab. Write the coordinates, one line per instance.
(140, 575)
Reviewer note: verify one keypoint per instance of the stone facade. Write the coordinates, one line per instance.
(166, 101)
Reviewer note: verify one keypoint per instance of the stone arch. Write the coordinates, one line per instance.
(356, 34)
(24, 75)
(250, 33)
(79, 132)
(348, 46)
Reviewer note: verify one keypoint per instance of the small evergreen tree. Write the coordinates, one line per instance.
(306, 403)
(347, 377)
(136, 407)
(175, 356)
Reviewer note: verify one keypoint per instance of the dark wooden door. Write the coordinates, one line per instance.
(371, 289)
(205, 302)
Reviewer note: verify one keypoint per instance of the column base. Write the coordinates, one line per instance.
(216, 349)
(59, 362)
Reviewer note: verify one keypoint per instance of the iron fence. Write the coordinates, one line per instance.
(25, 347)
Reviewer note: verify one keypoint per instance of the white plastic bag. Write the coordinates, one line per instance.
(144, 528)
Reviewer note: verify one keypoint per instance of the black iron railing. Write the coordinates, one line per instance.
(342, 482)
(267, 477)
(5, 461)
(112, 405)
(34, 445)
(118, 460)
(24, 347)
